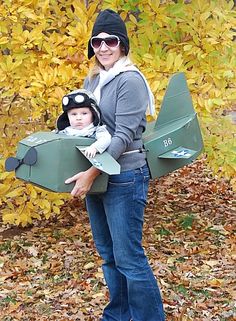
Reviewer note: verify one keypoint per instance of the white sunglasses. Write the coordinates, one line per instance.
(110, 41)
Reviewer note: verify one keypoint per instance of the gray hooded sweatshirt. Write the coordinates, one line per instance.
(123, 106)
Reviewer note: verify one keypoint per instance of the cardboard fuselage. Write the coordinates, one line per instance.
(171, 142)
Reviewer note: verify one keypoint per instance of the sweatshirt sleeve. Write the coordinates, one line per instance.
(132, 101)
(103, 139)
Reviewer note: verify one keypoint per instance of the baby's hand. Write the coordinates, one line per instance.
(90, 151)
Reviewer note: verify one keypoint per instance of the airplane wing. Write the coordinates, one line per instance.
(104, 162)
(178, 152)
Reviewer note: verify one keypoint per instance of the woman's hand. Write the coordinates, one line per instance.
(83, 181)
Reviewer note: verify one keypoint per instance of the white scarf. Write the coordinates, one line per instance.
(85, 132)
(122, 65)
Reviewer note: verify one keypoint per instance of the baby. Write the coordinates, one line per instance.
(82, 117)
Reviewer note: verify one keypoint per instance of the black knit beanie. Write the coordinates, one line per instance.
(110, 22)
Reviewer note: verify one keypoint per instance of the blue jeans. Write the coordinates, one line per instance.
(116, 218)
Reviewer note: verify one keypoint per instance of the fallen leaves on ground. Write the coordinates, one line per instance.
(51, 270)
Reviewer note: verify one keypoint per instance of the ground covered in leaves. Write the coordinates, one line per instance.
(51, 271)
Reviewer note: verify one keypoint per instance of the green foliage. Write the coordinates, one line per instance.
(187, 221)
(43, 50)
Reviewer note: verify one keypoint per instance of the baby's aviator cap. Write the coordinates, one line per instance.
(77, 99)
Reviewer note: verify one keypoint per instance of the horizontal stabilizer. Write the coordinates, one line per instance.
(179, 152)
(104, 162)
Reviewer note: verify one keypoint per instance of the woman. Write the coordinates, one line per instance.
(116, 216)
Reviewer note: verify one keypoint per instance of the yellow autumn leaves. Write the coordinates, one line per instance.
(43, 55)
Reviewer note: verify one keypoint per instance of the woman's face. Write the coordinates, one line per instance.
(107, 56)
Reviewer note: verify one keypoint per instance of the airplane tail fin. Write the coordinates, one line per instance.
(177, 102)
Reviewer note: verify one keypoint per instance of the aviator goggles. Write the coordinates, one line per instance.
(110, 41)
(77, 98)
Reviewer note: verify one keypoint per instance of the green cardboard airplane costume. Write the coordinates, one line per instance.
(174, 140)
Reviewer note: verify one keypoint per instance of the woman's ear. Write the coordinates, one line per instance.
(122, 49)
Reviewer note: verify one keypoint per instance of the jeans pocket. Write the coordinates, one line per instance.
(142, 183)
(124, 179)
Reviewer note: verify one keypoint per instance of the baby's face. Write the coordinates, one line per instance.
(80, 118)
